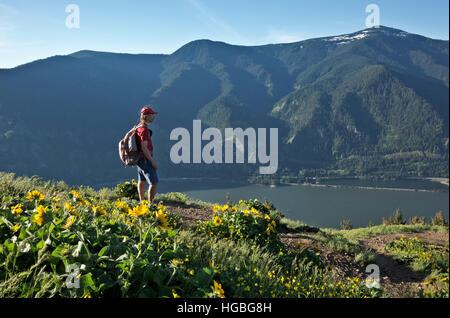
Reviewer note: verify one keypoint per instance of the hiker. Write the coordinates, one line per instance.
(147, 166)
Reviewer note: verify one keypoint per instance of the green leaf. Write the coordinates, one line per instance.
(40, 245)
(102, 251)
(86, 282)
(166, 255)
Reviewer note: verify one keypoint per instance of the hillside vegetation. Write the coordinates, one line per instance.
(373, 103)
(58, 241)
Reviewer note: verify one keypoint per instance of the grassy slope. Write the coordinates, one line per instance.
(231, 253)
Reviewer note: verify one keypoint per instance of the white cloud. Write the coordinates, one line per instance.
(7, 10)
(215, 20)
(6, 13)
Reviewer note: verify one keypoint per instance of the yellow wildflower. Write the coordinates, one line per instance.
(56, 207)
(76, 196)
(218, 289)
(121, 205)
(139, 210)
(225, 207)
(217, 221)
(269, 229)
(69, 222)
(35, 196)
(178, 261)
(15, 228)
(17, 209)
(99, 209)
(39, 216)
(69, 208)
(175, 295)
(162, 218)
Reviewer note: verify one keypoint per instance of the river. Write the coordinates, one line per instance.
(326, 206)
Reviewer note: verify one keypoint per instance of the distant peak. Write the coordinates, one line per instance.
(203, 43)
(385, 30)
(204, 47)
(359, 35)
(90, 53)
(86, 53)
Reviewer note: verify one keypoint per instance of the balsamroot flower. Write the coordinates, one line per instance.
(139, 210)
(99, 209)
(122, 205)
(217, 221)
(76, 196)
(35, 195)
(218, 289)
(71, 209)
(39, 216)
(69, 222)
(17, 209)
(162, 218)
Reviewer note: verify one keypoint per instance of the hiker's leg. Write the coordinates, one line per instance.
(152, 192)
(141, 190)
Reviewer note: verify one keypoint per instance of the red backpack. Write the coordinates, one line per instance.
(129, 147)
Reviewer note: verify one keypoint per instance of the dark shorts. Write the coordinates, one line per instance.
(146, 172)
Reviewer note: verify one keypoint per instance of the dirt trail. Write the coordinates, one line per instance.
(396, 279)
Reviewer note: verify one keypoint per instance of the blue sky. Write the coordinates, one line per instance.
(34, 29)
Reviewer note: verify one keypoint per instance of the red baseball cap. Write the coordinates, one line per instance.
(147, 110)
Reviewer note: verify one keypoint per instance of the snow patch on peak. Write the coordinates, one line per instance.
(348, 37)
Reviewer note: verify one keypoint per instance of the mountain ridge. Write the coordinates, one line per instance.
(365, 94)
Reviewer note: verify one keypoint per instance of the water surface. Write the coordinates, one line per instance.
(326, 206)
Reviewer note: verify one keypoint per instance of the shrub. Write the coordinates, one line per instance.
(417, 220)
(248, 220)
(127, 190)
(439, 219)
(365, 257)
(431, 261)
(346, 225)
(395, 219)
(418, 255)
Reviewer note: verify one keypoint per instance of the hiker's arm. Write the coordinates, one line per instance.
(148, 155)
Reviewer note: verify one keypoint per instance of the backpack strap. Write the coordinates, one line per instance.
(134, 130)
